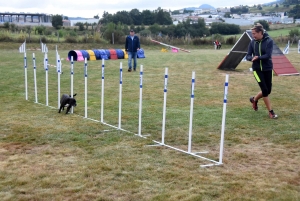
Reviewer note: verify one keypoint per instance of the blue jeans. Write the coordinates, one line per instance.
(132, 55)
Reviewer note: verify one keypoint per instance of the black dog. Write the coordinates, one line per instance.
(67, 100)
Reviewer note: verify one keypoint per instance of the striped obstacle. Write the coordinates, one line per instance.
(99, 54)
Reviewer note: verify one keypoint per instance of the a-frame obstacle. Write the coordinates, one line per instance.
(281, 65)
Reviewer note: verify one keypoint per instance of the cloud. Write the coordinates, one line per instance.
(84, 8)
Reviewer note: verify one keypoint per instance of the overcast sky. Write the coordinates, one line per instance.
(88, 9)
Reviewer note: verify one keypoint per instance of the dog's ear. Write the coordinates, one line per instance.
(74, 94)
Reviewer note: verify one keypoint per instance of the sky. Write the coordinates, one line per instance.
(89, 9)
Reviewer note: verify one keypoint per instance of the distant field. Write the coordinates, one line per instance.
(45, 155)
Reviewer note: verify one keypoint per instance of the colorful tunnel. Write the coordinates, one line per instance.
(99, 54)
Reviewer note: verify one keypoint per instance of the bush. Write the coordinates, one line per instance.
(145, 32)
(231, 40)
(201, 41)
(44, 39)
(5, 37)
(48, 32)
(294, 32)
(21, 39)
(70, 39)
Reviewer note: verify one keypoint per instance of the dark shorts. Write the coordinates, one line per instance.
(264, 80)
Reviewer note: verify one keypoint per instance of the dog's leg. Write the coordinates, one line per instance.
(60, 108)
(68, 108)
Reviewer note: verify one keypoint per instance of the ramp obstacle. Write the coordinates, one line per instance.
(281, 65)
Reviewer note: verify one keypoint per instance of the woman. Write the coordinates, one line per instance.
(260, 53)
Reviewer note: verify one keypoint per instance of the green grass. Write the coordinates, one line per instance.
(45, 155)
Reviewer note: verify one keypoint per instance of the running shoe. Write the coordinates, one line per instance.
(272, 114)
(254, 104)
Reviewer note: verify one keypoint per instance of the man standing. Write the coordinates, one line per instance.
(260, 53)
(132, 45)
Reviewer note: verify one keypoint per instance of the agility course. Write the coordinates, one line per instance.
(140, 119)
(57, 156)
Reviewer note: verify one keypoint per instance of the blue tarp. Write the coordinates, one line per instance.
(120, 53)
(85, 54)
(107, 53)
(97, 54)
(100, 54)
(140, 53)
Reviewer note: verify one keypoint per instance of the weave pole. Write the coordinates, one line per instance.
(120, 95)
(46, 73)
(25, 72)
(85, 87)
(191, 113)
(58, 69)
(34, 77)
(72, 79)
(164, 108)
(102, 93)
(140, 102)
(223, 119)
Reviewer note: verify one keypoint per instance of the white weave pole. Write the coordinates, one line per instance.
(46, 72)
(72, 79)
(85, 86)
(120, 95)
(58, 66)
(141, 98)
(164, 108)
(25, 69)
(102, 93)
(191, 113)
(223, 119)
(34, 77)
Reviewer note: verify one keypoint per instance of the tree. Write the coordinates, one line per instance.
(81, 26)
(227, 15)
(259, 7)
(6, 25)
(135, 15)
(264, 23)
(40, 29)
(96, 16)
(163, 18)
(295, 12)
(148, 17)
(28, 30)
(122, 17)
(57, 22)
(225, 29)
(106, 18)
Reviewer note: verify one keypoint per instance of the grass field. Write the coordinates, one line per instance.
(46, 155)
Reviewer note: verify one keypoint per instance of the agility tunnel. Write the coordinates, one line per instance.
(99, 54)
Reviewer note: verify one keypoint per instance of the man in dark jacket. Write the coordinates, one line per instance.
(260, 53)
(132, 45)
